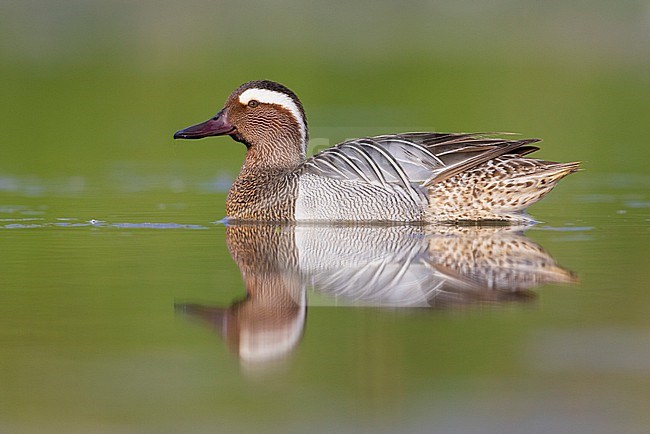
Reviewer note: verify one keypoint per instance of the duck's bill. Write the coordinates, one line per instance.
(216, 126)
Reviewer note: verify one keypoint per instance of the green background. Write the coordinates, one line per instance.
(92, 93)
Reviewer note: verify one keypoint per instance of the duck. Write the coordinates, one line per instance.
(416, 177)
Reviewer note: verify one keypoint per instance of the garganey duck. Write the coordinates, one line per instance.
(409, 177)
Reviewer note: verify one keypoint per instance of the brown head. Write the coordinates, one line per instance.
(265, 116)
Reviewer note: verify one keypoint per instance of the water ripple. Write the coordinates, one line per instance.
(565, 228)
(73, 223)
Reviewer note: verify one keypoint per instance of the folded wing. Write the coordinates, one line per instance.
(409, 160)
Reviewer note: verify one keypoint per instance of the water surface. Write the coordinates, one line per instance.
(167, 318)
(127, 306)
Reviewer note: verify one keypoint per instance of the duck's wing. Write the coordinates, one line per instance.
(411, 158)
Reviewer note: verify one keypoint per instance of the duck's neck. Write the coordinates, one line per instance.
(266, 188)
(283, 155)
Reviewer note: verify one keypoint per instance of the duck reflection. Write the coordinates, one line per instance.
(382, 266)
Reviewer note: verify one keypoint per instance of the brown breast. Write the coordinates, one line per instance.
(268, 195)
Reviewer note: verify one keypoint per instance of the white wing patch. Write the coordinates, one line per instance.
(267, 96)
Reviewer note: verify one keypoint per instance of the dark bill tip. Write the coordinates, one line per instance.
(217, 126)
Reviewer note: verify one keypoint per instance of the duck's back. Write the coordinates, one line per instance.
(424, 177)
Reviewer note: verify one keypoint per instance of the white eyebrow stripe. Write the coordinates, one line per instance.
(267, 96)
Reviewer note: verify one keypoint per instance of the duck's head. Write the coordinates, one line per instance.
(259, 114)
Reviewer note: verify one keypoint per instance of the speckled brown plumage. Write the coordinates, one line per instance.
(267, 195)
(500, 189)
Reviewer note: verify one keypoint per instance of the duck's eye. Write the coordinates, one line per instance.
(253, 103)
